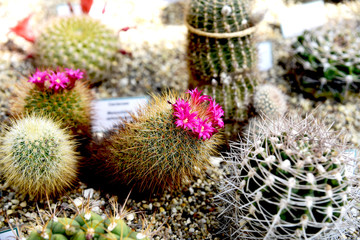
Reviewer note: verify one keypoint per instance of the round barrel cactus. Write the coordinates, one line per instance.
(38, 158)
(269, 100)
(60, 94)
(168, 142)
(287, 181)
(78, 42)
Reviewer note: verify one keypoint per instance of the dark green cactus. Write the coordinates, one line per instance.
(287, 181)
(221, 54)
(78, 42)
(327, 64)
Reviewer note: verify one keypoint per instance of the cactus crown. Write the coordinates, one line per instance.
(78, 42)
(287, 181)
(329, 64)
(38, 157)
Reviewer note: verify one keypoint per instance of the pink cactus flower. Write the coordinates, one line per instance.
(39, 77)
(58, 80)
(200, 114)
(74, 74)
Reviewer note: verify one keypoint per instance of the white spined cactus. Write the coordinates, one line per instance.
(269, 100)
(292, 184)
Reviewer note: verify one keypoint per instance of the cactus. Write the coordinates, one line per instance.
(269, 100)
(286, 182)
(59, 94)
(87, 226)
(168, 142)
(38, 157)
(78, 42)
(327, 64)
(221, 55)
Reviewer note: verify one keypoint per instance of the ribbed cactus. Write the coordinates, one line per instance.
(78, 42)
(287, 181)
(327, 64)
(59, 94)
(86, 226)
(221, 54)
(269, 100)
(168, 142)
(38, 157)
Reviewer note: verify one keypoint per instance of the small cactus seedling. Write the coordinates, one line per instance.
(74, 42)
(327, 64)
(87, 225)
(221, 55)
(38, 157)
(287, 181)
(269, 100)
(59, 94)
(168, 141)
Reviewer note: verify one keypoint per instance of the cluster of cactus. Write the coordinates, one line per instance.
(327, 64)
(287, 181)
(38, 158)
(86, 226)
(269, 100)
(59, 94)
(74, 42)
(167, 142)
(221, 54)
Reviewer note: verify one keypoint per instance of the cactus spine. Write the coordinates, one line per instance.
(221, 55)
(68, 101)
(78, 42)
(38, 157)
(168, 142)
(287, 181)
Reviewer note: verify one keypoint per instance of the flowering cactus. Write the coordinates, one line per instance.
(167, 142)
(60, 94)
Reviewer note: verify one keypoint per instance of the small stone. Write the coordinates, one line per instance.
(161, 209)
(15, 202)
(9, 212)
(23, 204)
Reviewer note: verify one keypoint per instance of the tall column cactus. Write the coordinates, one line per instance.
(221, 56)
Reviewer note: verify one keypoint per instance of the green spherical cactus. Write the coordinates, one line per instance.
(269, 100)
(168, 142)
(221, 54)
(327, 64)
(59, 94)
(78, 42)
(87, 226)
(287, 181)
(38, 157)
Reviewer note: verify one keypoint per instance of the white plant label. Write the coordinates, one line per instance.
(108, 112)
(296, 19)
(9, 235)
(265, 58)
